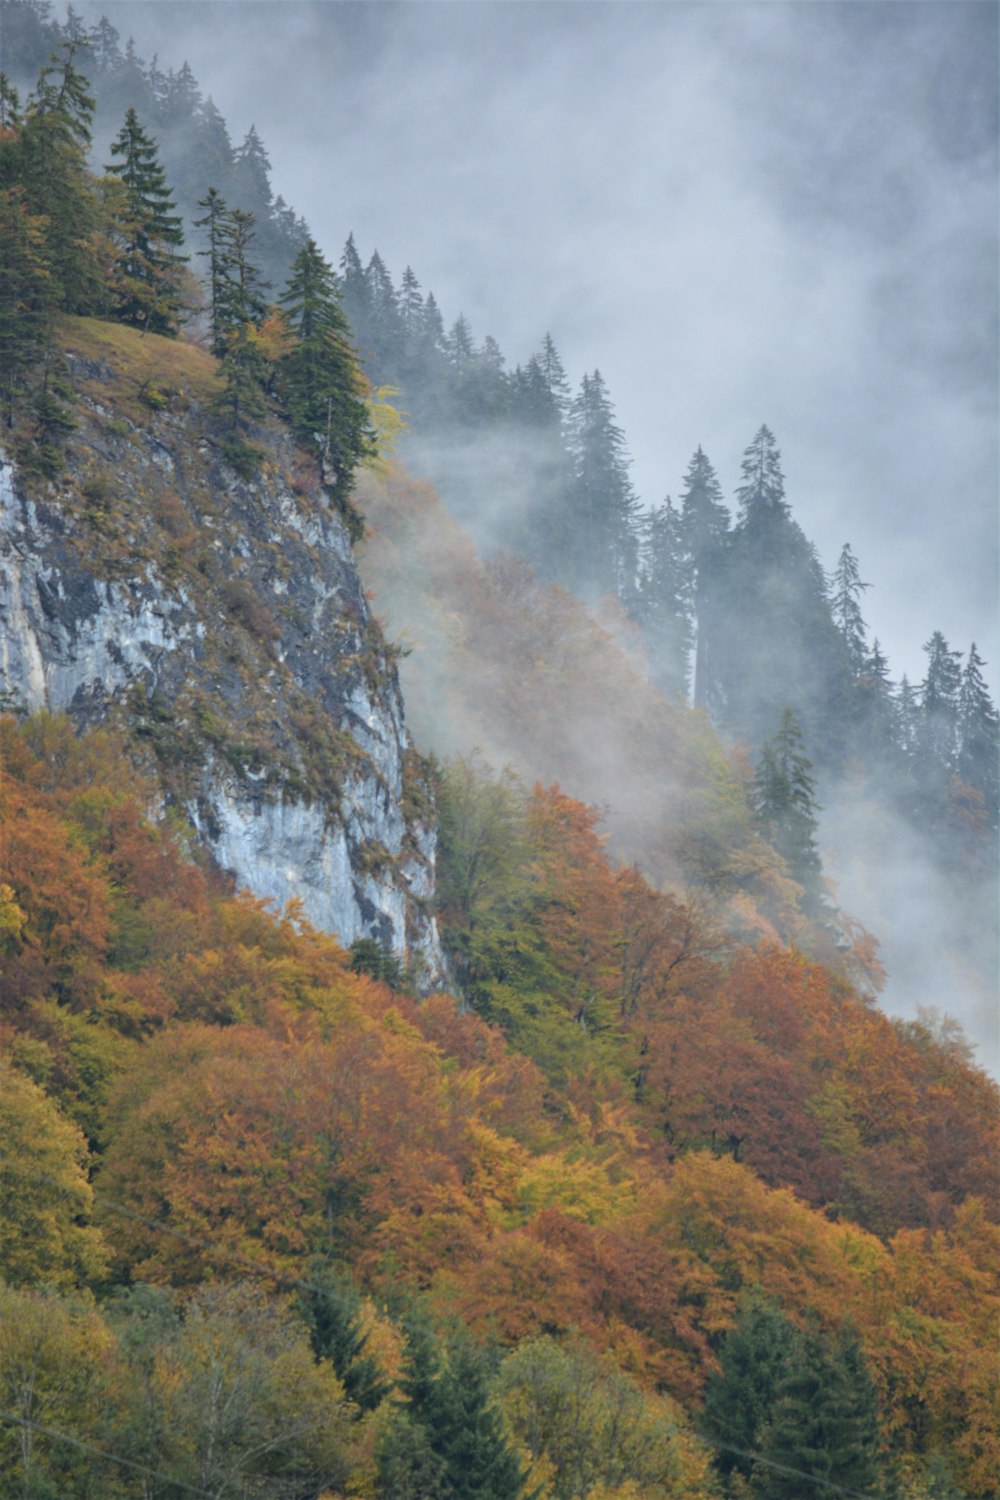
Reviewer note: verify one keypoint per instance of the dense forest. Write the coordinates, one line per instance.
(652, 1199)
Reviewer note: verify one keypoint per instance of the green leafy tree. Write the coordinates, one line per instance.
(149, 235)
(320, 379)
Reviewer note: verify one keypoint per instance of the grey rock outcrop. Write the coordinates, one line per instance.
(220, 623)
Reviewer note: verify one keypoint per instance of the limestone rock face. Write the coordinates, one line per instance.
(219, 622)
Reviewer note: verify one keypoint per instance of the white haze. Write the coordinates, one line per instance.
(740, 213)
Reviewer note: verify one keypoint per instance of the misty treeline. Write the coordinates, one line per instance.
(112, 246)
(274, 1229)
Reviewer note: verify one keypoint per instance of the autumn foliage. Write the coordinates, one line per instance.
(635, 1122)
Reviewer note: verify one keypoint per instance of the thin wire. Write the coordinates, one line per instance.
(117, 1458)
(287, 1278)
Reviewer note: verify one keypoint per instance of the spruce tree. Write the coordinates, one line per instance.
(320, 379)
(785, 806)
(55, 138)
(978, 735)
(331, 1309)
(740, 1397)
(214, 223)
(663, 602)
(704, 527)
(147, 268)
(26, 297)
(762, 492)
(824, 1422)
(604, 503)
(846, 589)
(939, 695)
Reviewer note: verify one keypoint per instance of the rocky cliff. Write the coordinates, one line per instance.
(217, 619)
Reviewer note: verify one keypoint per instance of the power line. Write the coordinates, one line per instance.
(115, 1458)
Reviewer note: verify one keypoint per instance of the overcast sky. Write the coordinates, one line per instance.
(740, 213)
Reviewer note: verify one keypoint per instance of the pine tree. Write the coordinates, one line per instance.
(456, 1435)
(878, 730)
(740, 1397)
(785, 806)
(846, 590)
(939, 695)
(978, 735)
(26, 297)
(411, 303)
(604, 503)
(762, 493)
(824, 1422)
(320, 378)
(214, 223)
(147, 270)
(331, 1309)
(704, 526)
(253, 171)
(58, 186)
(663, 603)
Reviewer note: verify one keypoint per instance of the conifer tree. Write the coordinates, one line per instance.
(604, 503)
(331, 1309)
(320, 378)
(411, 302)
(939, 695)
(786, 807)
(214, 224)
(978, 735)
(58, 186)
(846, 591)
(824, 1422)
(877, 711)
(740, 1397)
(704, 525)
(762, 492)
(26, 296)
(147, 280)
(663, 603)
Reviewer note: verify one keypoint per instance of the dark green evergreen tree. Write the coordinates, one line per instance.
(54, 142)
(824, 1422)
(452, 1435)
(740, 1397)
(214, 224)
(785, 806)
(320, 379)
(149, 233)
(331, 1309)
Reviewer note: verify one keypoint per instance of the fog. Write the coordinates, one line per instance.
(739, 213)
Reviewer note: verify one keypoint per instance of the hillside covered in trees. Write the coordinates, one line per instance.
(648, 1198)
